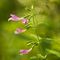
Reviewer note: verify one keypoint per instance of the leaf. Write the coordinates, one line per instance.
(44, 44)
(54, 52)
(42, 29)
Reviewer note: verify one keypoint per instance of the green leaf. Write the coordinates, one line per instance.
(44, 44)
(54, 52)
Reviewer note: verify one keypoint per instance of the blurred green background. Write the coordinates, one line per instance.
(49, 15)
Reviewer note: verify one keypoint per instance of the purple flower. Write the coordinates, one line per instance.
(14, 18)
(19, 30)
(25, 51)
(24, 21)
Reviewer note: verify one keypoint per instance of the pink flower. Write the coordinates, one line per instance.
(19, 30)
(24, 21)
(25, 51)
(14, 18)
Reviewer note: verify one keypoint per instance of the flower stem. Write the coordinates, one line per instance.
(34, 24)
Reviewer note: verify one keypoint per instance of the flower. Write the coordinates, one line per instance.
(24, 21)
(19, 30)
(25, 51)
(14, 18)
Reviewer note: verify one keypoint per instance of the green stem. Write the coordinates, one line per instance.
(34, 25)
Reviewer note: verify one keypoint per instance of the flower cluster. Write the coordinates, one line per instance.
(25, 21)
(15, 19)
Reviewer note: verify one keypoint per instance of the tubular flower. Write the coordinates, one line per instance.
(19, 30)
(25, 51)
(14, 18)
(24, 21)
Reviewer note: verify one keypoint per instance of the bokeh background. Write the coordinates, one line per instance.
(48, 14)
